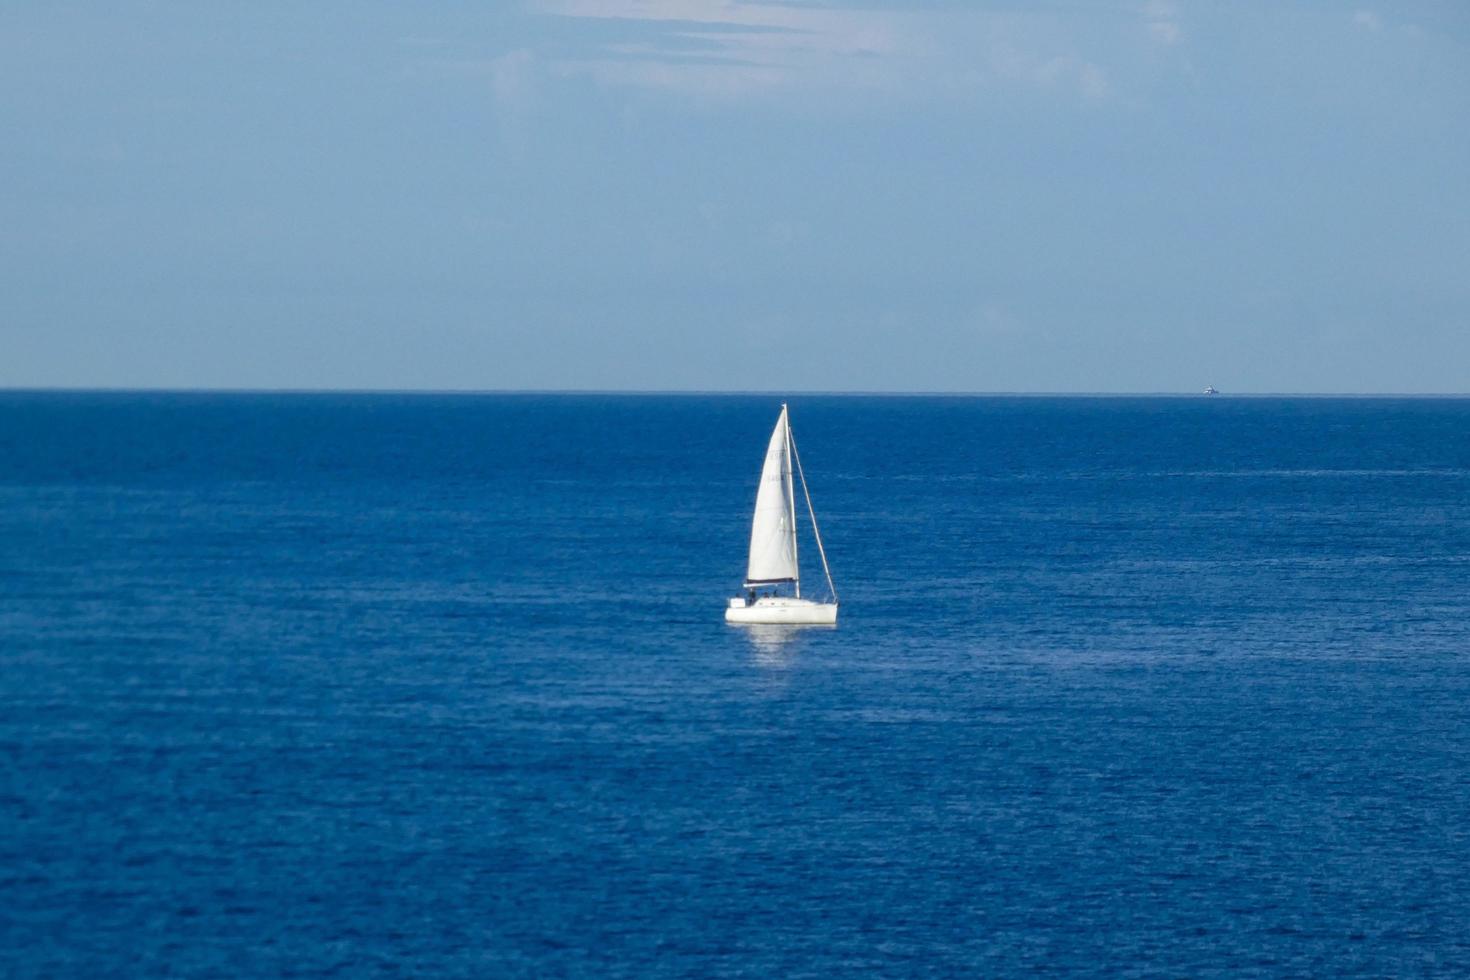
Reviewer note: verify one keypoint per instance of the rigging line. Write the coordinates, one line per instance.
(813, 514)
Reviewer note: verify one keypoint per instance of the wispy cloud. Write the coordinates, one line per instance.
(1367, 20)
(511, 83)
(1161, 17)
(738, 48)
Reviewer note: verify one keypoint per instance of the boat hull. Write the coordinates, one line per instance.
(789, 612)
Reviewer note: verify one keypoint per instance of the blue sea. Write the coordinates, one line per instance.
(390, 685)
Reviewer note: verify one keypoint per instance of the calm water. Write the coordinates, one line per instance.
(363, 685)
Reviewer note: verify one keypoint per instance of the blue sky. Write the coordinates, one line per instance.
(714, 194)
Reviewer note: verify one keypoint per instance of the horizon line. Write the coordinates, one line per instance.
(708, 392)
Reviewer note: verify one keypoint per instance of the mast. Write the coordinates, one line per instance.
(791, 498)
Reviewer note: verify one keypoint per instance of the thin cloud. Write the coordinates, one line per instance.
(511, 81)
(1161, 17)
(739, 48)
(1367, 20)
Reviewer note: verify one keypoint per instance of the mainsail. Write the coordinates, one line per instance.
(773, 532)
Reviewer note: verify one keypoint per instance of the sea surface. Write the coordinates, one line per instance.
(390, 685)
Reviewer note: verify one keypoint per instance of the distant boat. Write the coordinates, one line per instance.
(1211, 390)
(773, 562)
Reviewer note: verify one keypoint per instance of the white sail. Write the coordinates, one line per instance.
(773, 531)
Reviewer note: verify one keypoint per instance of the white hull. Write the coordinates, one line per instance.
(790, 612)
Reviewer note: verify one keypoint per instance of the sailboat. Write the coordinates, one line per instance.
(773, 561)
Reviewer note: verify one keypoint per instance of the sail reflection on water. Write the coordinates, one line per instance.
(774, 647)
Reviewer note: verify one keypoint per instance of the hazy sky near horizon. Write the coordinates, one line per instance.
(735, 194)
